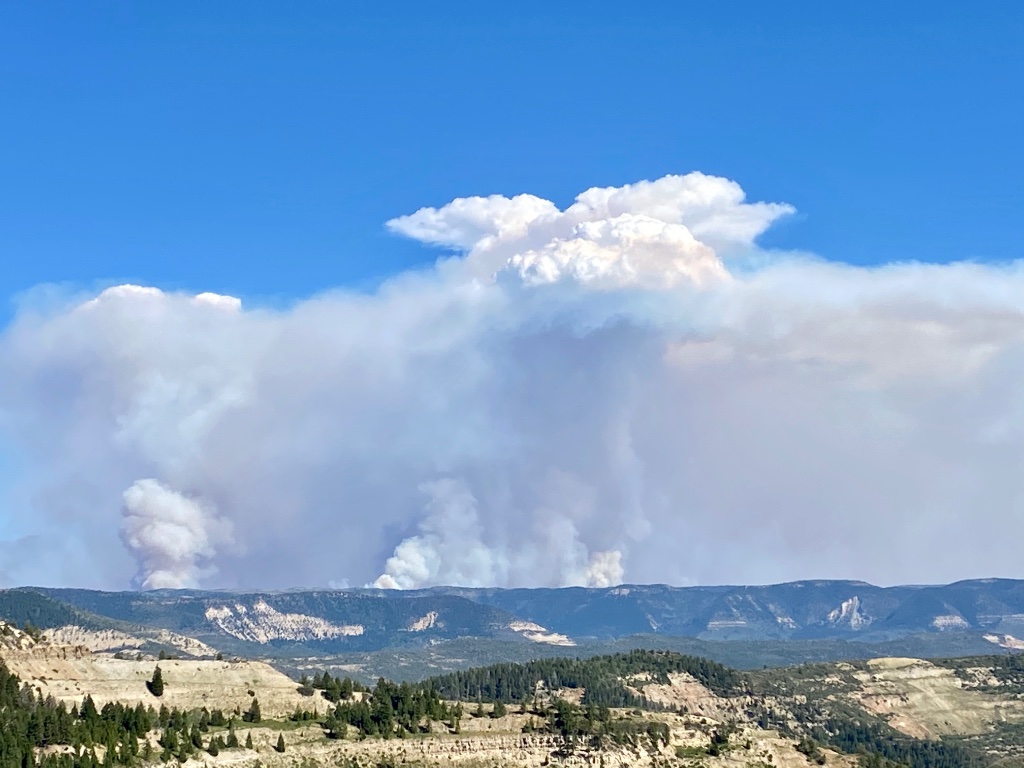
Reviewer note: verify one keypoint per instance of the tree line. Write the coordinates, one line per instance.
(114, 735)
(390, 710)
(601, 677)
(334, 689)
(29, 723)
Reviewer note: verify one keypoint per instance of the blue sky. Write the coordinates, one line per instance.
(257, 148)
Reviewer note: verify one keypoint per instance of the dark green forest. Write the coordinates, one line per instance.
(599, 676)
(393, 710)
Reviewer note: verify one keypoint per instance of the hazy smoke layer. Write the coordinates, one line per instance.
(624, 389)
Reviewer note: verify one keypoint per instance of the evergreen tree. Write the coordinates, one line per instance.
(156, 685)
(89, 713)
(248, 740)
(345, 688)
(253, 714)
(280, 743)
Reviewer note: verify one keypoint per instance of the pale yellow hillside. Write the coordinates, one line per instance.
(928, 701)
(68, 673)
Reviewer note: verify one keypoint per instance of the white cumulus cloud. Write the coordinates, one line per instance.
(652, 232)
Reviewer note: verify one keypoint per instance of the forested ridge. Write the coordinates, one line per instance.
(393, 710)
(44, 733)
(601, 678)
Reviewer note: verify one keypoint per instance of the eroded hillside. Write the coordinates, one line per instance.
(69, 672)
(642, 709)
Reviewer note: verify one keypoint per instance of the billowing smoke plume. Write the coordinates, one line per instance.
(449, 549)
(170, 535)
(627, 389)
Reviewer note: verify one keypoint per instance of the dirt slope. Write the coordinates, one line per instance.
(69, 672)
(927, 701)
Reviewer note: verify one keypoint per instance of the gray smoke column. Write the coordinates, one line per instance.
(449, 548)
(172, 537)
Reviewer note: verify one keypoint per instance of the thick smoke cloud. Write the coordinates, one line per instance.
(449, 548)
(627, 389)
(169, 534)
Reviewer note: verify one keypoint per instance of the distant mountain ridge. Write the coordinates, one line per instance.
(313, 622)
(795, 610)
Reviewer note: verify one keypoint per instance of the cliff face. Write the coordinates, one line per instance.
(260, 623)
(502, 748)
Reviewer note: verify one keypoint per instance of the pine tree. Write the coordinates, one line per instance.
(345, 689)
(232, 736)
(169, 741)
(156, 685)
(280, 743)
(253, 715)
(248, 740)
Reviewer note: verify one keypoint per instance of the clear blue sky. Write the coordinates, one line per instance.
(257, 148)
